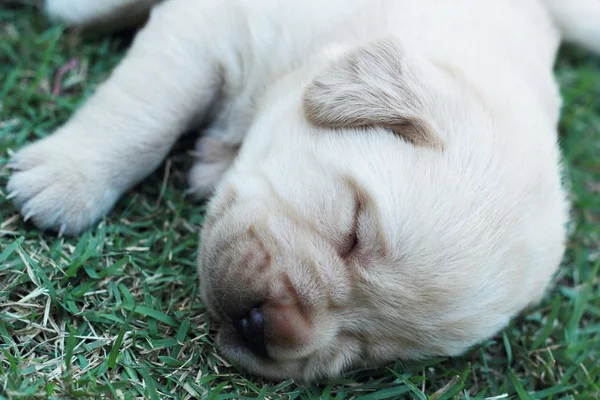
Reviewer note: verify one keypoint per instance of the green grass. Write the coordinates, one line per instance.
(116, 312)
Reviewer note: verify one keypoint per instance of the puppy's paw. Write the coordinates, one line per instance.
(214, 157)
(59, 186)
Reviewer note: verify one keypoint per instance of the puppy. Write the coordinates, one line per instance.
(385, 176)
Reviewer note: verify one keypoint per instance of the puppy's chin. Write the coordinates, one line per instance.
(236, 351)
(338, 355)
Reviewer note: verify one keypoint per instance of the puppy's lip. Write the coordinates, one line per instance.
(232, 346)
(241, 357)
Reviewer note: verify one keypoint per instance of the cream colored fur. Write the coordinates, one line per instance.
(397, 190)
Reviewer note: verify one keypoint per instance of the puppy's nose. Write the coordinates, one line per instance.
(252, 330)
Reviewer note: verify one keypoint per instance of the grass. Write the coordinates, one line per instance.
(115, 313)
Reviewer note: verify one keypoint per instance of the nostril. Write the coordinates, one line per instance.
(252, 329)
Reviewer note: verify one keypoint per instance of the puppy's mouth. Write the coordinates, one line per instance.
(272, 330)
(234, 347)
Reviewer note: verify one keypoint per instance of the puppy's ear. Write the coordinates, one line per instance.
(373, 86)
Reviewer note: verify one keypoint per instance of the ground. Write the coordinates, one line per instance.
(115, 313)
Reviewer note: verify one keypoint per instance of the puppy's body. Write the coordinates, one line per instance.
(397, 193)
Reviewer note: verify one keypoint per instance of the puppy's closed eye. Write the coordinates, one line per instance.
(359, 229)
(350, 240)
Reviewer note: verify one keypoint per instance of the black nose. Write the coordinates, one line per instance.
(252, 330)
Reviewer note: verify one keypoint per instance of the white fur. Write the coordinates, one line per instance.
(453, 239)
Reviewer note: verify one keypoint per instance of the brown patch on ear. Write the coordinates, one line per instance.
(373, 86)
(417, 132)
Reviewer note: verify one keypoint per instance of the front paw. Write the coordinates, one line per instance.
(213, 158)
(60, 185)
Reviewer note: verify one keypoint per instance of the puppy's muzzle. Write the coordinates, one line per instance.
(262, 291)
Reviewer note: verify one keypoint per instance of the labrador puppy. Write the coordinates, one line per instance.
(384, 175)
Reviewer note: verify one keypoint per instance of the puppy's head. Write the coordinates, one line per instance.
(358, 225)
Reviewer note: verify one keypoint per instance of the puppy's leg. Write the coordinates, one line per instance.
(110, 13)
(68, 180)
(579, 21)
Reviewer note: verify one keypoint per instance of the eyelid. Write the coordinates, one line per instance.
(351, 242)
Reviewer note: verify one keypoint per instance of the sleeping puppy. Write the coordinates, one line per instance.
(384, 174)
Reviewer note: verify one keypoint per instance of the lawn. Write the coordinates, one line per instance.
(115, 313)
